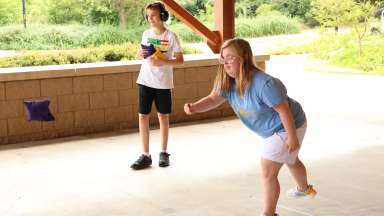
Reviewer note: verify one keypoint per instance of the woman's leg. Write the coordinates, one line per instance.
(270, 185)
(299, 174)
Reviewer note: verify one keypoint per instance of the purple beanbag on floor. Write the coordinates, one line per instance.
(38, 110)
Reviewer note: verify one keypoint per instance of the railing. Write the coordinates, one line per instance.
(97, 97)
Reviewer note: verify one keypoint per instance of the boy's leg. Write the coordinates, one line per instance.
(164, 130)
(146, 96)
(144, 131)
(145, 159)
(270, 185)
(163, 101)
(299, 174)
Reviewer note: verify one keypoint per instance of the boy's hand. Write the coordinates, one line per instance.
(157, 61)
(292, 144)
(141, 53)
(188, 108)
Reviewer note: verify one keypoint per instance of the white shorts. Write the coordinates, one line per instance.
(274, 148)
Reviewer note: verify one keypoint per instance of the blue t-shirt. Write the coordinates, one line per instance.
(255, 108)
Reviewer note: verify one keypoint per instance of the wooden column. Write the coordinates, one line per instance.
(225, 18)
(224, 22)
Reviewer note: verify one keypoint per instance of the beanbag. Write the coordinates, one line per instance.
(150, 50)
(38, 110)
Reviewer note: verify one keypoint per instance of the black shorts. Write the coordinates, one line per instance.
(162, 98)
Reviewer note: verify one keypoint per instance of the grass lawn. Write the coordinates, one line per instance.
(342, 50)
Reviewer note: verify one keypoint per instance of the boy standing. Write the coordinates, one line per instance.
(155, 80)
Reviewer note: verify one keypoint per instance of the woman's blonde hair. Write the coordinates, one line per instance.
(223, 82)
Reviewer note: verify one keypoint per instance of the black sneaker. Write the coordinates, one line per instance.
(143, 162)
(164, 159)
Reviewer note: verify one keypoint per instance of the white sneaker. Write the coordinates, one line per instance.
(295, 193)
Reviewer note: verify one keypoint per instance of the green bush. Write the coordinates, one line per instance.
(371, 60)
(270, 24)
(49, 37)
(185, 34)
(46, 37)
(103, 53)
(264, 9)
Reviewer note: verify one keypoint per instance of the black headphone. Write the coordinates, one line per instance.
(164, 15)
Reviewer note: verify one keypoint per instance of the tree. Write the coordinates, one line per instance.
(332, 13)
(38, 11)
(102, 11)
(10, 11)
(67, 11)
(359, 18)
(349, 13)
(292, 8)
(195, 7)
(117, 12)
(247, 8)
(121, 8)
(373, 2)
(134, 11)
(296, 8)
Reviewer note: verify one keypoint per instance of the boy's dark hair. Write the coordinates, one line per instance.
(164, 15)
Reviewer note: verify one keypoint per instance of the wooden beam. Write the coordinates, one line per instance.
(212, 38)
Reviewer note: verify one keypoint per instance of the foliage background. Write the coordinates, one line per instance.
(109, 26)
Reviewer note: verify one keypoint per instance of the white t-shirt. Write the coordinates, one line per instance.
(153, 76)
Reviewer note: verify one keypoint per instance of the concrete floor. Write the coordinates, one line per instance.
(215, 165)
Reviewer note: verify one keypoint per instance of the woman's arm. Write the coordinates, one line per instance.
(207, 103)
(289, 125)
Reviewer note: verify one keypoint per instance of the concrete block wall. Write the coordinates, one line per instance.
(93, 98)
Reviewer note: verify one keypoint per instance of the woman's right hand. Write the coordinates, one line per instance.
(188, 108)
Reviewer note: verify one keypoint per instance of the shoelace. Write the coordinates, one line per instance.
(165, 154)
(141, 158)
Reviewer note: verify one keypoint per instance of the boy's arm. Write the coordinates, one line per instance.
(141, 53)
(177, 52)
(178, 59)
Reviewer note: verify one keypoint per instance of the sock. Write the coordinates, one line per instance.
(303, 191)
(146, 154)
